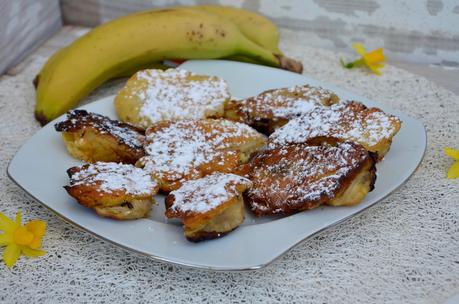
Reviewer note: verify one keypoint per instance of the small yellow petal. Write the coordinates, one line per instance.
(22, 236)
(32, 253)
(374, 69)
(36, 242)
(453, 172)
(5, 239)
(6, 224)
(37, 227)
(359, 48)
(375, 56)
(11, 254)
(452, 153)
(18, 218)
(378, 65)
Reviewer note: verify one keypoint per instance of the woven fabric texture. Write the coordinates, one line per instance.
(403, 250)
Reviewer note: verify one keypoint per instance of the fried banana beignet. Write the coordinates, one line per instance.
(274, 108)
(347, 121)
(298, 177)
(190, 149)
(151, 96)
(209, 207)
(93, 137)
(114, 190)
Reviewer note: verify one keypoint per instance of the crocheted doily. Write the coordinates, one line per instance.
(403, 250)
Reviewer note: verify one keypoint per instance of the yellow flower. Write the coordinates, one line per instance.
(374, 60)
(17, 238)
(453, 172)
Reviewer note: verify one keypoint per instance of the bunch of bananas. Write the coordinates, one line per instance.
(143, 40)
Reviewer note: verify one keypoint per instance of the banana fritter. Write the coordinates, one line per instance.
(114, 190)
(209, 207)
(347, 121)
(298, 177)
(93, 137)
(151, 96)
(191, 149)
(274, 108)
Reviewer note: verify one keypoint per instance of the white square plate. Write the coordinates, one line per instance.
(40, 165)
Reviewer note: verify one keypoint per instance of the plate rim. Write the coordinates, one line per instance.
(195, 266)
(220, 268)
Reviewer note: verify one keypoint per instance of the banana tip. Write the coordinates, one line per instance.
(42, 119)
(36, 81)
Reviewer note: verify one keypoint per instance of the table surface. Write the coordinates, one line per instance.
(405, 249)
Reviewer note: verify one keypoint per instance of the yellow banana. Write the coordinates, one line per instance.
(134, 69)
(256, 27)
(137, 40)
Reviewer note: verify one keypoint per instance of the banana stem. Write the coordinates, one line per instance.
(284, 62)
(257, 53)
(289, 64)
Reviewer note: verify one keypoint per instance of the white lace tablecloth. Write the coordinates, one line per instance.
(403, 250)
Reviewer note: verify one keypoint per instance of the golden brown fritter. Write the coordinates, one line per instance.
(347, 121)
(93, 137)
(274, 108)
(190, 149)
(151, 96)
(298, 177)
(114, 190)
(209, 207)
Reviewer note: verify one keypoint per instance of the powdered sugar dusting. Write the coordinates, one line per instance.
(177, 94)
(299, 176)
(115, 177)
(204, 194)
(287, 102)
(176, 149)
(350, 121)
